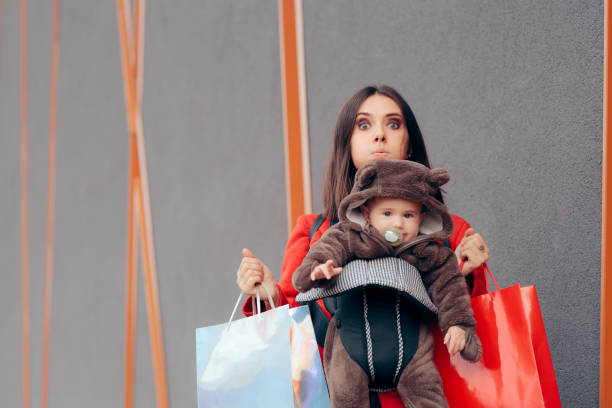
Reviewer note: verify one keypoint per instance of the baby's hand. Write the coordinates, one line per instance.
(325, 270)
(455, 339)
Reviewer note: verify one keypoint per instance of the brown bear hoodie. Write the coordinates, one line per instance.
(354, 239)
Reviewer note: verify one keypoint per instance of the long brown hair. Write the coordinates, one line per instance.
(341, 171)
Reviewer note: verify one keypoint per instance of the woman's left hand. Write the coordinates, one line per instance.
(473, 250)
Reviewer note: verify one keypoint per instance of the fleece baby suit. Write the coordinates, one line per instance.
(352, 337)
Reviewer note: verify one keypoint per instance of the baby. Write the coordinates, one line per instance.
(378, 337)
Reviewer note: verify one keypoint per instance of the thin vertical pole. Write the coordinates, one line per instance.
(50, 205)
(297, 160)
(125, 40)
(139, 206)
(605, 365)
(153, 304)
(25, 241)
(131, 278)
(305, 142)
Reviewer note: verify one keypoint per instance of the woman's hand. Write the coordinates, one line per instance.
(253, 272)
(473, 250)
(454, 339)
(325, 270)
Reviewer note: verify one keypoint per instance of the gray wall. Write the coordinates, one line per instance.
(507, 94)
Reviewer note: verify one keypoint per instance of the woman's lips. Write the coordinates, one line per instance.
(380, 154)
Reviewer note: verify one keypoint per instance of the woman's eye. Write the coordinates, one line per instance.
(363, 125)
(387, 213)
(394, 124)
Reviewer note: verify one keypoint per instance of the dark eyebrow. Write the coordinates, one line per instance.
(387, 115)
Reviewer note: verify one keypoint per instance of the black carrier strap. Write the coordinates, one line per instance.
(318, 316)
(319, 322)
(315, 226)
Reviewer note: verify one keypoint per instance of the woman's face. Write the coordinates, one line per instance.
(379, 132)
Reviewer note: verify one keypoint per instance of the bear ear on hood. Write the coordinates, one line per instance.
(438, 177)
(365, 177)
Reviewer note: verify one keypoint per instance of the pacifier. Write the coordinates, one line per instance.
(392, 235)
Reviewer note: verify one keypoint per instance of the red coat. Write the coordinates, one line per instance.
(297, 248)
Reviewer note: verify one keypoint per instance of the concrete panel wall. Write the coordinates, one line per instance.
(213, 128)
(508, 96)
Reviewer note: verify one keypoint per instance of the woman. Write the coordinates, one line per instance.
(376, 122)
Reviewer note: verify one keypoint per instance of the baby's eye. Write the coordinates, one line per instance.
(408, 215)
(387, 213)
(363, 125)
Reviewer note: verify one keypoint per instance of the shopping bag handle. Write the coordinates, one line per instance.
(258, 302)
(487, 271)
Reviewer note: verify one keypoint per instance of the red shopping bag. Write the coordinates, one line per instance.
(515, 369)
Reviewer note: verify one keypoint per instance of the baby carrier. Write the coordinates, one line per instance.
(374, 316)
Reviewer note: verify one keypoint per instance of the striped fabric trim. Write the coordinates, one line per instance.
(388, 272)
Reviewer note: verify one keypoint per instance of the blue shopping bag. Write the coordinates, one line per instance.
(309, 386)
(266, 360)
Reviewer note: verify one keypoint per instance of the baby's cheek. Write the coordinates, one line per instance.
(380, 225)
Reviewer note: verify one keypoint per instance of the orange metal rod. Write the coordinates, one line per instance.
(139, 26)
(131, 267)
(294, 174)
(126, 61)
(145, 215)
(25, 241)
(605, 364)
(50, 205)
(131, 279)
(125, 37)
(132, 70)
(152, 300)
(305, 142)
(131, 272)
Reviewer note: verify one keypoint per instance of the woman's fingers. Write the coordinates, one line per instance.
(475, 242)
(250, 272)
(247, 253)
(253, 280)
(247, 284)
(475, 257)
(248, 264)
(473, 251)
(246, 269)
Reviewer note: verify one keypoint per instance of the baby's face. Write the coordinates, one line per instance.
(405, 215)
